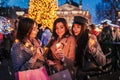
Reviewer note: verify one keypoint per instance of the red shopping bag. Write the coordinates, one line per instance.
(36, 74)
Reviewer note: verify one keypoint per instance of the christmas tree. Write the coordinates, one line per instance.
(43, 12)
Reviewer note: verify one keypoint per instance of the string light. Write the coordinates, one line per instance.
(16, 40)
(27, 45)
(43, 11)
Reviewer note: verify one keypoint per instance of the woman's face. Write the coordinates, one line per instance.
(34, 31)
(76, 29)
(60, 29)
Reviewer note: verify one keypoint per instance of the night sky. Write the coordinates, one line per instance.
(87, 5)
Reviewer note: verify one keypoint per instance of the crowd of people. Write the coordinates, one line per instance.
(80, 49)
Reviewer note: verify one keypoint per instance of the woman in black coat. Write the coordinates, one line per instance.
(89, 55)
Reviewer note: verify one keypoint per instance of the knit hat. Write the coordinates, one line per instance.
(80, 20)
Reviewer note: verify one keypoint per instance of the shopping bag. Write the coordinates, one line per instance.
(62, 75)
(36, 74)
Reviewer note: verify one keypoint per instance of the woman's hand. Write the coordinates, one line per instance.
(59, 54)
(91, 44)
(37, 55)
(58, 66)
(51, 63)
(55, 64)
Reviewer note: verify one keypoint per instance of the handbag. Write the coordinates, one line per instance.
(36, 74)
(61, 75)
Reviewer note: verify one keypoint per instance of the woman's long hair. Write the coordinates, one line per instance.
(54, 34)
(82, 40)
(25, 27)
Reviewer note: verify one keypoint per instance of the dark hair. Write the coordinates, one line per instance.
(54, 34)
(65, 25)
(80, 21)
(20, 17)
(92, 26)
(47, 28)
(39, 25)
(82, 37)
(82, 40)
(25, 26)
(81, 45)
(83, 28)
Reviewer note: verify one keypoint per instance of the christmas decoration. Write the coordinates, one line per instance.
(43, 12)
(5, 25)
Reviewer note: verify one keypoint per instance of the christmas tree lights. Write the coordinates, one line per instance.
(43, 12)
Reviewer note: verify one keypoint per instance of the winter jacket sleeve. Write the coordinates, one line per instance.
(97, 52)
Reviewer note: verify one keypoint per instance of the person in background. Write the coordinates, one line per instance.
(107, 34)
(62, 47)
(46, 36)
(116, 34)
(106, 37)
(93, 31)
(26, 51)
(7, 44)
(89, 55)
(40, 31)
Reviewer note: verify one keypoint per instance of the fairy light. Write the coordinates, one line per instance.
(43, 11)
(32, 48)
(27, 44)
(58, 45)
(16, 40)
(92, 42)
(45, 48)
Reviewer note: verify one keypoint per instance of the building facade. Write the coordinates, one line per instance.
(71, 9)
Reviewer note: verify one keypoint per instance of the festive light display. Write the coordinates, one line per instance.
(5, 25)
(43, 12)
(27, 45)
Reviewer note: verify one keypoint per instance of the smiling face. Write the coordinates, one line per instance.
(60, 29)
(76, 29)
